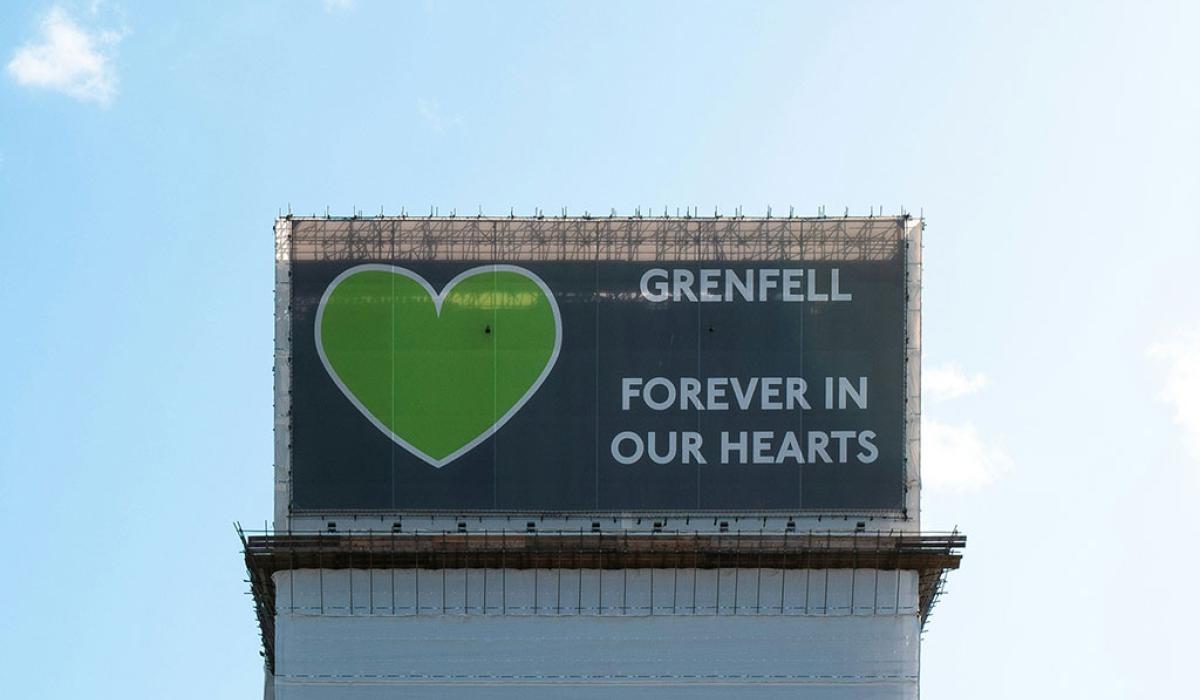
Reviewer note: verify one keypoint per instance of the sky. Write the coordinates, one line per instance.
(146, 148)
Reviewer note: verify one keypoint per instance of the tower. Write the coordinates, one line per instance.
(669, 456)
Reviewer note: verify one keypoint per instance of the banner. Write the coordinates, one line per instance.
(597, 386)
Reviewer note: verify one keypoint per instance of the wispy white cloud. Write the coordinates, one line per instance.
(69, 58)
(431, 112)
(949, 382)
(1180, 358)
(338, 5)
(956, 456)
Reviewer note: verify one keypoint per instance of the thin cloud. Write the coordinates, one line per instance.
(949, 382)
(431, 112)
(338, 5)
(956, 458)
(69, 58)
(1180, 358)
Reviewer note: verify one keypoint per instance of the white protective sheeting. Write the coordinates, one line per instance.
(328, 646)
(592, 592)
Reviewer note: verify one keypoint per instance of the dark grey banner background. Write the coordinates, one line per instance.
(553, 454)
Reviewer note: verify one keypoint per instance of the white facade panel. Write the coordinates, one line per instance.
(337, 637)
(567, 592)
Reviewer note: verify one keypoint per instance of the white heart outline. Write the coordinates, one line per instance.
(438, 298)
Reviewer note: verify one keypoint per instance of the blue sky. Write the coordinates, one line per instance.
(145, 150)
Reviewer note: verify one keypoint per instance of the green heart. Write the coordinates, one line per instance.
(438, 373)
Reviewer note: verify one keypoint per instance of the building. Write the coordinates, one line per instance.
(536, 457)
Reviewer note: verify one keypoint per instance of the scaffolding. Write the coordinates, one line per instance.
(592, 239)
(580, 553)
